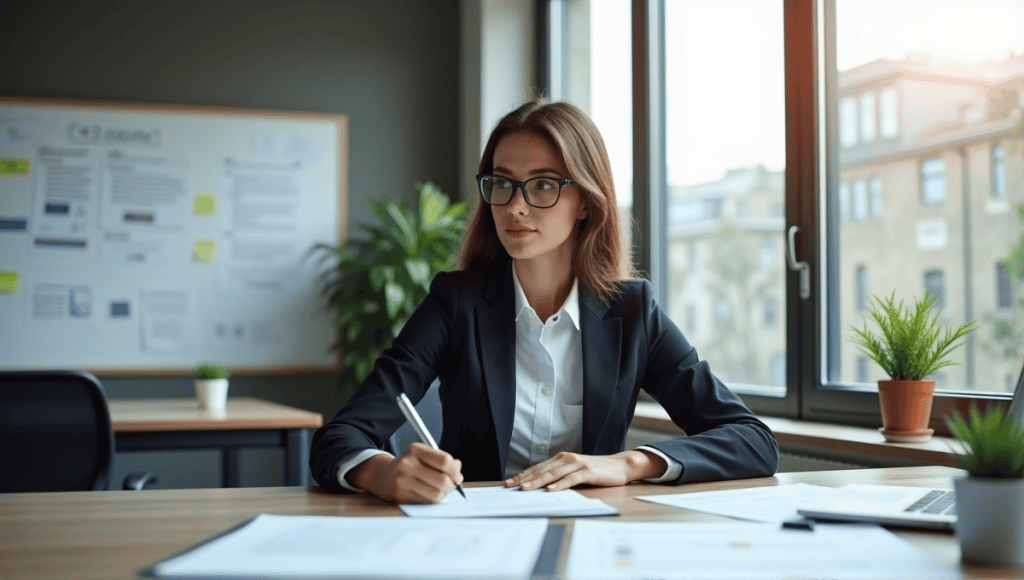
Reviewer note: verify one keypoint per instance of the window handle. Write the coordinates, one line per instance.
(803, 267)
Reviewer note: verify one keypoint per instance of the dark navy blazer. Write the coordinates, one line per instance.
(464, 333)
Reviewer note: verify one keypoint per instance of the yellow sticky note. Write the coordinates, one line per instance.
(205, 249)
(8, 281)
(9, 166)
(205, 203)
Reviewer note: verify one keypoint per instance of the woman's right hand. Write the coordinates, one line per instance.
(420, 475)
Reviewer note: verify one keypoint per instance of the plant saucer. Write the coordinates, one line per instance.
(916, 436)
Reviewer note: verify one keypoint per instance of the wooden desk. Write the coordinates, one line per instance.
(115, 534)
(176, 424)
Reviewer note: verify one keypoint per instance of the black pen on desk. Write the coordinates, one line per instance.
(421, 430)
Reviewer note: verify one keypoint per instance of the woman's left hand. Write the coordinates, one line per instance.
(567, 470)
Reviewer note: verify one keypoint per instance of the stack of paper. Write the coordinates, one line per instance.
(503, 501)
(760, 504)
(384, 547)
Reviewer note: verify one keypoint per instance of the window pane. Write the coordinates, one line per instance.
(725, 140)
(928, 101)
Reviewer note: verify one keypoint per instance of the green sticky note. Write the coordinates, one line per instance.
(8, 281)
(205, 203)
(205, 249)
(9, 166)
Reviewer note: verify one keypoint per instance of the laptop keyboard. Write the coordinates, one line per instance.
(936, 502)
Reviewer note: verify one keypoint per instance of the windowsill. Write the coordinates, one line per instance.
(827, 440)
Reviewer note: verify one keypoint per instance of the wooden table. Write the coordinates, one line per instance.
(115, 534)
(179, 424)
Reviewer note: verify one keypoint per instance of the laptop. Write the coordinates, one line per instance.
(912, 507)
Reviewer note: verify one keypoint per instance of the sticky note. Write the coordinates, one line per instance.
(9, 166)
(8, 281)
(205, 203)
(205, 249)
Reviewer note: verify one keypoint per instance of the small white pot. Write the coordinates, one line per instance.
(990, 519)
(212, 394)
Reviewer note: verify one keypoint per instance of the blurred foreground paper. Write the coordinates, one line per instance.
(627, 550)
(273, 546)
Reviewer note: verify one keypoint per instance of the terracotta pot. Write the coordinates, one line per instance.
(906, 408)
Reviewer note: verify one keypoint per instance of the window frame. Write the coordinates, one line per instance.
(812, 181)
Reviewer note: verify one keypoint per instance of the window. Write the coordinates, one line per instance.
(691, 318)
(723, 315)
(998, 172)
(888, 119)
(863, 294)
(933, 181)
(848, 122)
(876, 196)
(767, 252)
(934, 284)
(771, 312)
(844, 201)
(860, 200)
(863, 364)
(1004, 290)
(867, 117)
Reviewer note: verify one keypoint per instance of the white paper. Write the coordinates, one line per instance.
(759, 504)
(62, 303)
(66, 200)
(628, 550)
(510, 501)
(144, 192)
(166, 325)
(382, 547)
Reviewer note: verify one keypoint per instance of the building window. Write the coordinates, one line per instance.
(693, 255)
(867, 117)
(1003, 287)
(933, 181)
(860, 200)
(848, 122)
(767, 252)
(862, 288)
(844, 202)
(722, 315)
(863, 364)
(691, 318)
(998, 172)
(771, 313)
(888, 118)
(934, 284)
(875, 186)
(779, 370)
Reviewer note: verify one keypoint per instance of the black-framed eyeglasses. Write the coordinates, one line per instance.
(539, 192)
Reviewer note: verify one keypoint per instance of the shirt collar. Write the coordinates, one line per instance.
(571, 306)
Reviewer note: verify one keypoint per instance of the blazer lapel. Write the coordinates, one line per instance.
(601, 341)
(496, 332)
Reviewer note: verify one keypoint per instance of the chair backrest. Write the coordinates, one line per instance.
(55, 432)
(429, 409)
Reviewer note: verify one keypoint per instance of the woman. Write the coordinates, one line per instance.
(542, 343)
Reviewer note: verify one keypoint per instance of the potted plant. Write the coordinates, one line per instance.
(376, 283)
(990, 499)
(211, 382)
(912, 346)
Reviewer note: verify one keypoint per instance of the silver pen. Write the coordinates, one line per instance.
(421, 430)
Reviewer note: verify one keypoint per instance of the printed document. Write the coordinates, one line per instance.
(510, 501)
(603, 550)
(759, 504)
(273, 546)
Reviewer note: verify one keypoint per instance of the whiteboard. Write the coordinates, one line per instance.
(138, 237)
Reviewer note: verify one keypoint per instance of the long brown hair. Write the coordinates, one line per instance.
(600, 258)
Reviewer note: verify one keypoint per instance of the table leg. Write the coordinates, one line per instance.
(296, 457)
(231, 467)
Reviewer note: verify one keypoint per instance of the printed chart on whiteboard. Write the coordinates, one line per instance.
(137, 237)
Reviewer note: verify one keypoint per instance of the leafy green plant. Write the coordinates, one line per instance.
(377, 283)
(912, 345)
(210, 370)
(993, 442)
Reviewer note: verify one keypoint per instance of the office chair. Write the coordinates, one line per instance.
(429, 409)
(55, 434)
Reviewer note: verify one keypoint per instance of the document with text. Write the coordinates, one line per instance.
(683, 551)
(483, 502)
(276, 546)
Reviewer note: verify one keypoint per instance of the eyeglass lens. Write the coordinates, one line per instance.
(540, 191)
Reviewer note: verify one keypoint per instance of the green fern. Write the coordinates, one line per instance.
(994, 443)
(912, 344)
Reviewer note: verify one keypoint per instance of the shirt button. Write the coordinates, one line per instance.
(541, 449)
(546, 389)
(555, 318)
